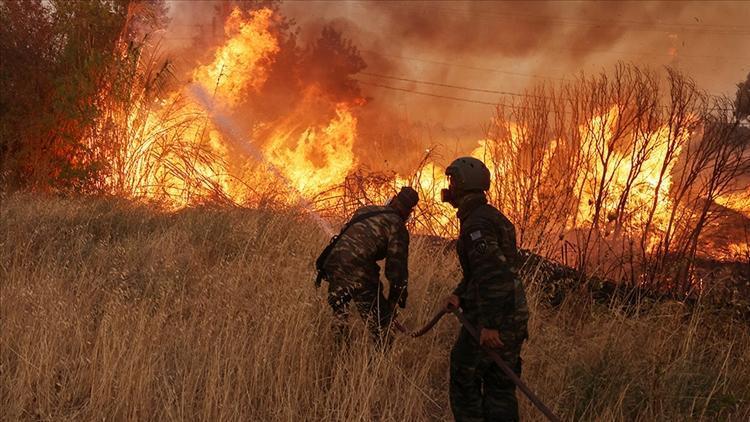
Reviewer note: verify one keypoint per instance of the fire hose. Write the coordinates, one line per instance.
(227, 125)
(492, 354)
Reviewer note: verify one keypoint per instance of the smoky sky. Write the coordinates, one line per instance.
(511, 46)
(516, 31)
(514, 45)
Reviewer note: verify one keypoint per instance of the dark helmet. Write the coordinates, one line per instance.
(469, 174)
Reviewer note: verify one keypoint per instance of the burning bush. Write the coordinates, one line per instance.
(621, 172)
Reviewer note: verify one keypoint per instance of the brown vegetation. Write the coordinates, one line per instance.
(622, 174)
(629, 174)
(112, 310)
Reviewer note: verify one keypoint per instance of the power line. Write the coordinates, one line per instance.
(470, 67)
(465, 88)
(678, 56)
(448, 97)
(483, 90)
(484, 69)
(468, 100)
(429, 94)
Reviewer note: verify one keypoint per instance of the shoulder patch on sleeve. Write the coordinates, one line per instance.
(475, 235)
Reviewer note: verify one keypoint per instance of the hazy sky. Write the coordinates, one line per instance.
(509, 46)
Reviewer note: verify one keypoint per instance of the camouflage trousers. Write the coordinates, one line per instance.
(369, 302)
(479, 390)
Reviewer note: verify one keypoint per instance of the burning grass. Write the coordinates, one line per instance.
(630, 174)
(112, 310)
(618, 172)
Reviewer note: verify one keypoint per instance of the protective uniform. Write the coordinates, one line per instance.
(492, 296)
(353, 273)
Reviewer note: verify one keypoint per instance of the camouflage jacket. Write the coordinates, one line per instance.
(491, 292)
(382, 236)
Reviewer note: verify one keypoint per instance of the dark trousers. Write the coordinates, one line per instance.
(369, 302)
(479, 390)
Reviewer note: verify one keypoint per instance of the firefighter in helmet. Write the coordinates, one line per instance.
(491, 295)
(351, 265)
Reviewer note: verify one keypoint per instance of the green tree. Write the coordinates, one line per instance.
(59, 69)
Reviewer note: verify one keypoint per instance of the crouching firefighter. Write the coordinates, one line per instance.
(350, 265)
(491, 296)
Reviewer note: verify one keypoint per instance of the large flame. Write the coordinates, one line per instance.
(181, 156)
(175, 152)
(319, 158)
(238, 67)
(611, 177)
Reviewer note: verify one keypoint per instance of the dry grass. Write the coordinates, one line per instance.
(114, 311)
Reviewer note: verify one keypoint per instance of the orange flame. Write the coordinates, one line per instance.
(239, 66)
(314, 158)
(316, 153)
(321, 157)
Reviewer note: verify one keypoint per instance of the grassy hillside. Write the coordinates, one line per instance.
(114, 311)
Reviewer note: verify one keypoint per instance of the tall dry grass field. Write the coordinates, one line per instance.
(114, 311)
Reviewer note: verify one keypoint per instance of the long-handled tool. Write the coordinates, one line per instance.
(492, 354)
(424, 330)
